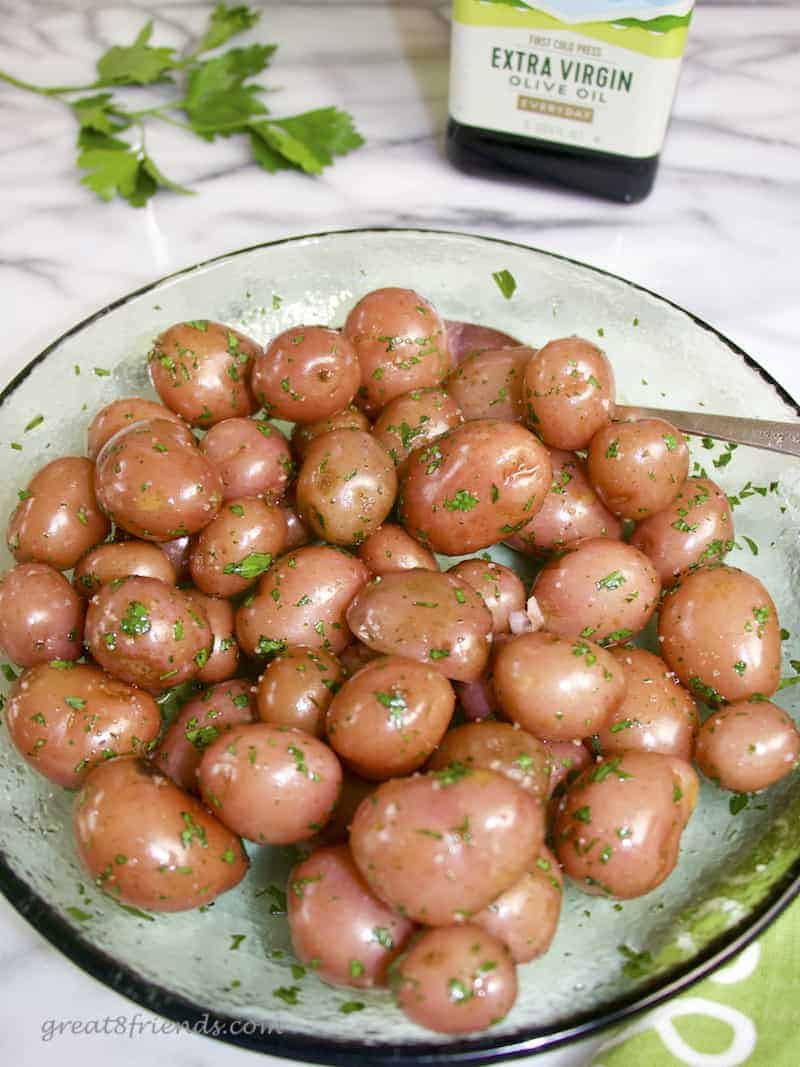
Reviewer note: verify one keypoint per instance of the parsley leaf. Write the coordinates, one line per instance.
(217, 101)
(308, 141)
(136, 64)
(506, 283)
(227, 22)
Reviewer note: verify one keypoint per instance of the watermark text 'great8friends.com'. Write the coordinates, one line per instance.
(137, 1025)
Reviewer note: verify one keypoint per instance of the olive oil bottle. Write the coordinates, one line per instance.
(577, 92)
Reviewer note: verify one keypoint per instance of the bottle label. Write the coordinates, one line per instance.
(596, 74)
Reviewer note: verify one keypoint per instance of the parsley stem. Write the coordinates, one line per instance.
(52, 90)
(156, 113)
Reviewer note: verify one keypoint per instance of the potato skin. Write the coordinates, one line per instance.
(302, 600)
(346, 486)
(155, 485)
(251, 458)
(105, 563)
(638, 468)
(599, 589)
(66, 718)
(297, 687)
(656, 715)
(464, 338)
(307, 373)
(224, 659)
(122, 413)
(429, 617)
(500, 747)
(557, 689)
(413, 420)
(438, 847)
(499, 587)
(236, 547)
(569, 392)
(748, 746)
(41, 615)
(327, 892)
(147, 633)
(390, 548)
(389, 717)
(401, 344)
(489, 384)
(456, 979)
(696, 528)
(525, 917)
(59, 518)
(473, 486)
(149, 844)
(199, 722)
(201, 370)
(270, 784)
(349, 418)
(571, 511)
(719, 631)
(618, 828)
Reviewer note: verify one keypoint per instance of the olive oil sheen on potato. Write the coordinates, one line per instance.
(576, 92)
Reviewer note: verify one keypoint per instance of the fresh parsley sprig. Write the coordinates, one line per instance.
(212, 97)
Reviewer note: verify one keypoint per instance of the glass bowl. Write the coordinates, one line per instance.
(608, 960)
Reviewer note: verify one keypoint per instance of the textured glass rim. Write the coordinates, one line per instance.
(124, 980)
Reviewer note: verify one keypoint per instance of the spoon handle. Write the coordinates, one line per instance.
(760, 433)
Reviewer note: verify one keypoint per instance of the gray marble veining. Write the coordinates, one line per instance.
(718, 235)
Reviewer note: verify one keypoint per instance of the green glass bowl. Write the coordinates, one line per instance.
(608, 960)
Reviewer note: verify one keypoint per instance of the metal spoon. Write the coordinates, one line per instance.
(760, 433)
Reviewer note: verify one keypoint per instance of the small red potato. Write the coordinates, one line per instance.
(297, 687)
(474, 486)
(525, 917)
(270, 784)
(413, 420)
(105, 563)
(57, 518)
(150, 845)
(215, 712)
(307, 373)
(390, 548)
(456, 980)
(122, 413)
(618, 828)
(656, 714)
(41, 615)
(147, 633)
(555, 688)
(64, 718)
(155, 485)
(569, 392)
(302, 600)
(349, 418)
(429, 617)
(224, 659)
(719, 632)
(500, 747)
(327, 893)
(598, 589)
(201, 370)
(571, 511)
(439, 847)
(748, 746)
(489, 384)
(251, 457)
(464, 338)
(346, 486)
(696, 528)
(401, 344)
(500, 589)
(234, 550)
(389, 717)
(638, 468)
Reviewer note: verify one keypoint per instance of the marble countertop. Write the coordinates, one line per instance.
(718, 235)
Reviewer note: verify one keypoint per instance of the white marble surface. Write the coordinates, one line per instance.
(718, 235)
